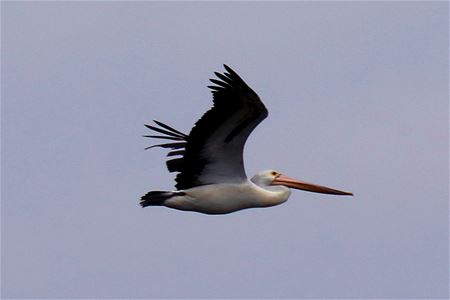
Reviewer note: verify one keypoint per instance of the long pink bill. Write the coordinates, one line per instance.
(306, 186)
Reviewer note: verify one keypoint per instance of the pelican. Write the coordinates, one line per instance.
(211, 177)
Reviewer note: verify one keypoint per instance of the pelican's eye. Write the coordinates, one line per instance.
(274, 173)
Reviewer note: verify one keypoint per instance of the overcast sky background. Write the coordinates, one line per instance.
(358, 100)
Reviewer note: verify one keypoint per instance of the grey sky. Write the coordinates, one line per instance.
(358, 100)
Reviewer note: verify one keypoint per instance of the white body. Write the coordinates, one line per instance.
(228, 197)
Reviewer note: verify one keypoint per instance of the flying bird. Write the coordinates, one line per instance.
(211, 177)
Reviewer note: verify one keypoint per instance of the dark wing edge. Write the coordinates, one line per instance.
(236, 108)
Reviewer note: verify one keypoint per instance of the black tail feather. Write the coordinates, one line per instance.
(155, 198)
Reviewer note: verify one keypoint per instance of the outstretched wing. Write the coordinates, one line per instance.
(213, 150)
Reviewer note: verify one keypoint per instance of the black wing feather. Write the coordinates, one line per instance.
(213, 150)
(168, 145)
(163, 131)
(169, 128)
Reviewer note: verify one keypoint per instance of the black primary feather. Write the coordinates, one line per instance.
(169, 128)
(166, 132)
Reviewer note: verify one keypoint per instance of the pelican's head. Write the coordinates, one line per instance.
(265, 178)
(272, 177)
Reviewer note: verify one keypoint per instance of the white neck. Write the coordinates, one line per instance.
(271, 195)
